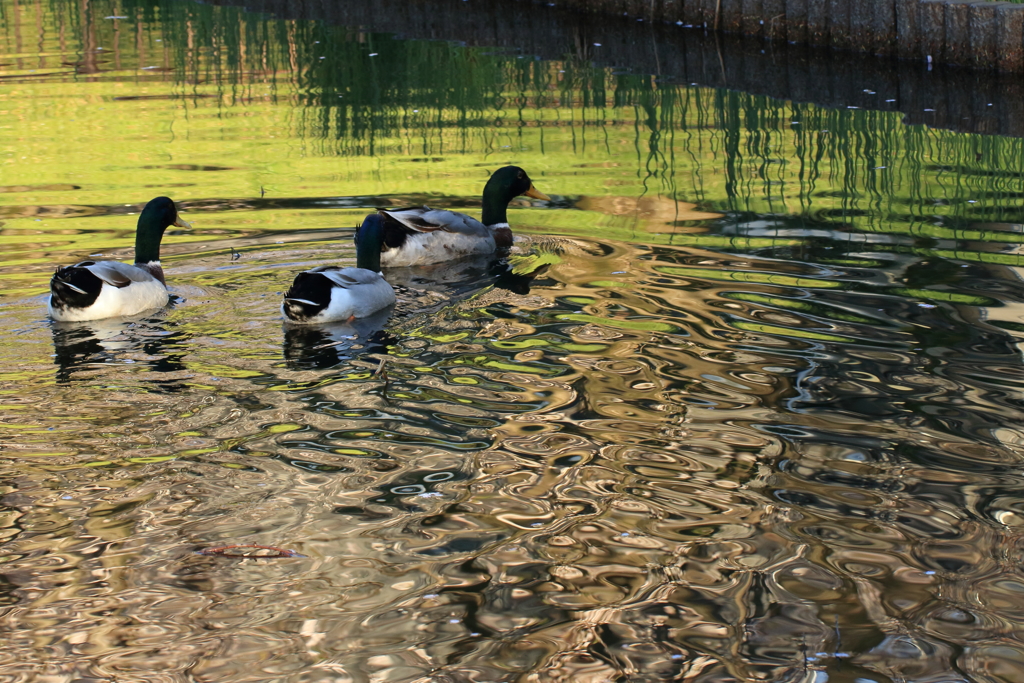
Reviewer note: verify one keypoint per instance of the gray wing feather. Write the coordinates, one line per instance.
(349, 277)
(425, 219)
(118, 274)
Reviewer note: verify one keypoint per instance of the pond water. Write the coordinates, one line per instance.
(747, 405)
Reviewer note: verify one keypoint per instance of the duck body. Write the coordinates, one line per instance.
(420, 235)
(330, 293)
(93, 290)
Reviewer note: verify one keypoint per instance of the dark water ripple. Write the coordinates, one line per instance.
(640, 507)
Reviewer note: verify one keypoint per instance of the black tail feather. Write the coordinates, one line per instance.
(74, 287)
(309, 294)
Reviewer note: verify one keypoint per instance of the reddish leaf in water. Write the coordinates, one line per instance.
(240, 551)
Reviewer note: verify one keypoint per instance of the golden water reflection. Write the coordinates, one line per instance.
(744, 406)
(618, 470)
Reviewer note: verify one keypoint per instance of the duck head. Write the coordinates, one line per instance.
(158, 215)
(503, 186)
(370, 242)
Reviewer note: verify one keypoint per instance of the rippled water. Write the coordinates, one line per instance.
(748, 407)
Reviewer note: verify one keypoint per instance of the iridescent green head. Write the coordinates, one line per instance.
(369, 241)
(504, 185)
(159, 214)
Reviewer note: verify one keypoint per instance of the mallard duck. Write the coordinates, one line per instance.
(421, 235)
(92, 290)
(329, 293)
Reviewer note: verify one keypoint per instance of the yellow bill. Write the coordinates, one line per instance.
(535, 193)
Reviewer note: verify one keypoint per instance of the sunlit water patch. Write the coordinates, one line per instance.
(645, 457)
(743, 404)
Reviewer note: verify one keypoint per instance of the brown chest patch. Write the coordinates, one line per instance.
(502, 238)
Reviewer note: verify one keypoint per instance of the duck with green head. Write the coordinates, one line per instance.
(92, 290)
(329, 293)
(421, 235)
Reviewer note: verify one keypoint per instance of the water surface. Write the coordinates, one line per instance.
(747, 408)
